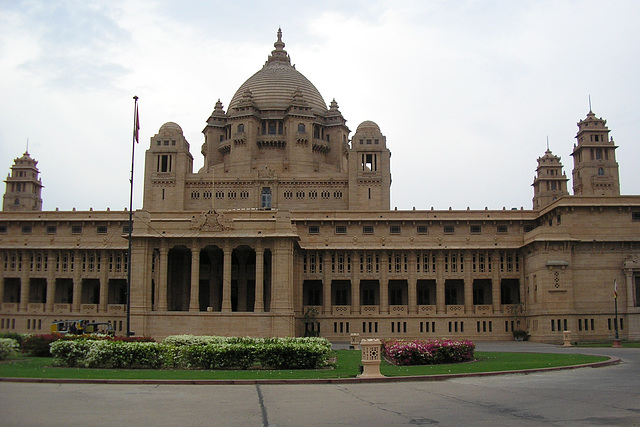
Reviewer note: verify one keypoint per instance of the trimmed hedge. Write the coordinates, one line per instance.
(191, 352)
(40, 345)
(427, 352)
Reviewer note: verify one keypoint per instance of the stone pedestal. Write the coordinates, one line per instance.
(355, 342)
(371, 358)
(566, 337)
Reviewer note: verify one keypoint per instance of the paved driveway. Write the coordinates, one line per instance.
(587, 396)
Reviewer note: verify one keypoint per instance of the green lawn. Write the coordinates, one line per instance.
(347, 366)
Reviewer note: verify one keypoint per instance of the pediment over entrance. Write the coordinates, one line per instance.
(210, 220)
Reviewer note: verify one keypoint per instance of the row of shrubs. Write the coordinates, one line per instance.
(39, 345)
(427, 352)
(194, 352)
(8, 347)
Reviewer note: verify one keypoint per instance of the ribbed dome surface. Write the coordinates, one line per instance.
(274, 85)
(368, 126)
(170, 126)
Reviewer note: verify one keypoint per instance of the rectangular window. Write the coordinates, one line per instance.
(341, 229)
(125, 229)
(422, 229)
(394, 229)
(449, 229)
(3, 229)
(635, 216)
(76, 229)
(102, 229)
(314, 229)
(476, 229)
(52, 229)
(367, 229)
(26, 229)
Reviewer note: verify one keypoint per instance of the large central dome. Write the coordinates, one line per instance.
(273, 87)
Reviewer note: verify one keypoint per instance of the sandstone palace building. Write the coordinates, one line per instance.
(287, 230)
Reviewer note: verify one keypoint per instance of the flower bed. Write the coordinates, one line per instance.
(194, 352)
(427, 352)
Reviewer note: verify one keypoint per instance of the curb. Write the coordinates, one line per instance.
(442, 377)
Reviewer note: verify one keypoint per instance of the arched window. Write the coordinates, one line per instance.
(600, 171)
(301, 128)
(241, 128)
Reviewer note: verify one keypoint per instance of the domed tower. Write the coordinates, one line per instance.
(167, 163)
(595, 170)
(24, 187)
(369, 169)
(550, 182)
(277, 145)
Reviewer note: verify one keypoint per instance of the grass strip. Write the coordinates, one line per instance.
(347, 366)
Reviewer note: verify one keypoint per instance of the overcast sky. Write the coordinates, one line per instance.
(466, 92)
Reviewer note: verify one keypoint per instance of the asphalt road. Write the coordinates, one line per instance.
(579, 397)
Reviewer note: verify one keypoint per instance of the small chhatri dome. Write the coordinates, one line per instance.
(274, 86)
(170, 127)
(368, 127)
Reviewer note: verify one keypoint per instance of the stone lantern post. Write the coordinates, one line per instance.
(371, 358)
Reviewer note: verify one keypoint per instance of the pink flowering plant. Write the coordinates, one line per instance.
(427, 352)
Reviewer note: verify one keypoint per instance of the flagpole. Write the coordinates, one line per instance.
(136, 126)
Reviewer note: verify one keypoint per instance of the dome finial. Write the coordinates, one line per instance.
(279, 54)
(279, 44)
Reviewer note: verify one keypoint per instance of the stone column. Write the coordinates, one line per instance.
(24, 282)
(104, 281)
(412, 283)
(163, 280)
(468, 285)
(77, 281)
(440, 299)
(326, 282)
(282, 279)
(194, 296)
(384, 284)
(258, 306)
(226, 279)
(51, 282)
(495, 281)
(630, 285)
(355, 283)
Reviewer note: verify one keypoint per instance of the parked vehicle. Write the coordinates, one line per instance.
(79, 327)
